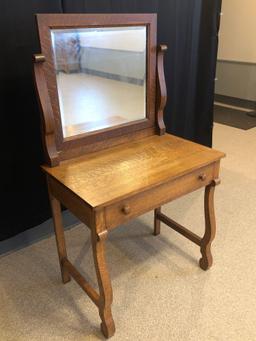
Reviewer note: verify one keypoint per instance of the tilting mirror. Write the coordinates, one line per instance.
(101, 76)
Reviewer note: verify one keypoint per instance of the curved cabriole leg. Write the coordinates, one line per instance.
(99, 235)
(210, 226)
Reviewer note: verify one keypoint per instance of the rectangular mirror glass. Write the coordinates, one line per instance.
(101, 76)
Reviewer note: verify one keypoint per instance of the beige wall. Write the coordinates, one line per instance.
(236, 67)
(238, 31)
(119, 39)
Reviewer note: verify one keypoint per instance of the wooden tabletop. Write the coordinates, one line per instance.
(118, 172)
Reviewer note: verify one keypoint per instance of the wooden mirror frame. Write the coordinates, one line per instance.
(57, 148)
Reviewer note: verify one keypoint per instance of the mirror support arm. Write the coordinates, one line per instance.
(47, 119)
(161, 92)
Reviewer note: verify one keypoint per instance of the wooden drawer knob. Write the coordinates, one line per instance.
(126, 209)
(202, 176)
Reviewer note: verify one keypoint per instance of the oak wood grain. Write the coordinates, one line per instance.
(70, 200)
(112, 175)
(155, 197)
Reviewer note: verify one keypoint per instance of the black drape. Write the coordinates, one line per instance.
(188, 27)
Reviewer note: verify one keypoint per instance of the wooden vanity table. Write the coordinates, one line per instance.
(108, 158)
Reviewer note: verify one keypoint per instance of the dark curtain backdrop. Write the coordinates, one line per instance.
(188, 27)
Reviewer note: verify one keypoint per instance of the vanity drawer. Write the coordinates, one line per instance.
(143, 202)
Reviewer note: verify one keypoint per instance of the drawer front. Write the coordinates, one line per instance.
(138, 204)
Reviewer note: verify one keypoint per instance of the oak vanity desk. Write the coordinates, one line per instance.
(108, 158)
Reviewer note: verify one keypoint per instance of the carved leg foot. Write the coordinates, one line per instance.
(210, 226)
(59, 234)
(99, 235)
(107, 326)
(156, 222)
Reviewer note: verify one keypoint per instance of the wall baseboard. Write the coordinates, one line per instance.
(237, 102)
(235, 62)
(35, 234)
(113, 76)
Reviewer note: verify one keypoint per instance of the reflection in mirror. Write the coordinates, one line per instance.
(101, 76)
